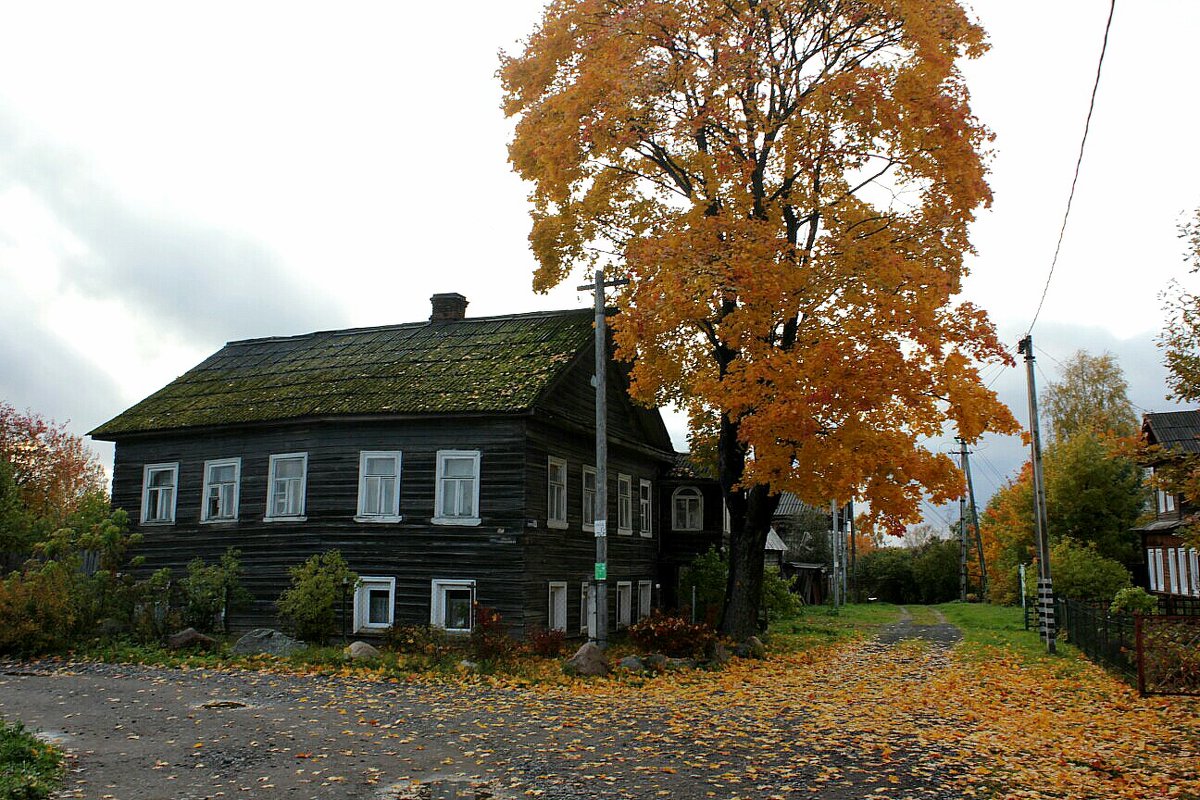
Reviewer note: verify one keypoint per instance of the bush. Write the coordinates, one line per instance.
(887, 574)
(778, 600)
(319, 587)
(1081, 573)
(709, 574)
(546, 643)
(671, 635)
(40, 609)
(1134, 600)
(490, 640)
(212, 591)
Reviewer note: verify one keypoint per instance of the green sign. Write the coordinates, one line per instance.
(602, 572)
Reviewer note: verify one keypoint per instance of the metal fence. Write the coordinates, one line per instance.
(1159, 653)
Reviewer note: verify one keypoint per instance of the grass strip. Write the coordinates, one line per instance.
(30, 769)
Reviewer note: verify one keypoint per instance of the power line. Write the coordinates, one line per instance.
(1078, 163)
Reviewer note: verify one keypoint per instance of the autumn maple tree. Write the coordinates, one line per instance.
(788, 185)
(50, 470)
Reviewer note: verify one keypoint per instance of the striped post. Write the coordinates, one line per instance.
(1046, 612)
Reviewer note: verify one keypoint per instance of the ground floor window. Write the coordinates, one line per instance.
(452, 605)
(557, 602)
(624, 604)
(374, 603)
(584, 596)
(644, 599)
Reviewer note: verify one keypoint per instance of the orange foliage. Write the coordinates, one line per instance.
(52, 468)
(788, 185)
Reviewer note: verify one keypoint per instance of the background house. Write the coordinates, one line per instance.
(448, 460)
(1173, 567)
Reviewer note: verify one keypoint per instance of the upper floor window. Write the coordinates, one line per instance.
(625, 505)
(221, 478)
(457, 490)
(378, 486)
(687, 509)
(645, 506)
(288, 475)
(589, 498)
(556, 493)
(1166, 502)
(159, 482)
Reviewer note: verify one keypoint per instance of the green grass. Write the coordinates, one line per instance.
(986, 626)
(30, 769)
(818, 625)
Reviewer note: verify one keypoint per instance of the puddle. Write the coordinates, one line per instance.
(224, 704)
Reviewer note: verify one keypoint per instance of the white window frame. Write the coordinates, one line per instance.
(147, 471)
(556, 501)
(437, 602)
(586, 495)
(392, 513)
(1156, 569)
(1173, 582)
(690, 492)
(645, 598)
(271, 516)
(624, 505)
(209, 466)
(624, 604)
(556, 601)
(583, 607)
(1166, 502)
(362, 606)
(440, 489)
(1194, 560)
(646, 508)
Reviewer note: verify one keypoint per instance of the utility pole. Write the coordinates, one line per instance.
(853, 556)
(836, 581)
(600, 575)
(983, 577)
(1041, 526)
(962, 549)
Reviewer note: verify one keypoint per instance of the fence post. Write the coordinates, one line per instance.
(1139, 651)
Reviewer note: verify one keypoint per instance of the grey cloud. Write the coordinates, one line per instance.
(201, 282)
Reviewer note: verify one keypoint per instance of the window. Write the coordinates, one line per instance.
(285, 489)
(1166, 502)
(557, 602)
(624, 604)
(378, 486)
(457, 500)
(687, 509)
(1156, 582)
(221, 490)
(374, 603)
(644, 599)
(556, 493)
(584, 597)
(625, 505)
(452, 606)
(158, 493)
(645, 506)
(589, 498)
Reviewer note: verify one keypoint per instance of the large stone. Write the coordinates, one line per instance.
(588, 660)
(265, 640)
(190, 638)
(752, 648)
(632, 664)
(360, 651)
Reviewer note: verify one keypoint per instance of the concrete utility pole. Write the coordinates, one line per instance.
(962, 550)
(598, 623)
(1041, 526)
(835, 547)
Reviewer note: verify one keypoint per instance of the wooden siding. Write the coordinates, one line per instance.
(414, 551)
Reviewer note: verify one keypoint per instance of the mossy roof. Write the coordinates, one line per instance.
(475, 365)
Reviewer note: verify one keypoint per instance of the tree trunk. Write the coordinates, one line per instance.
(750, 513)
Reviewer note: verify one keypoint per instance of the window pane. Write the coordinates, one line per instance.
(466, 498)
(458, 609)
(383, 465)
(458, 467)
(289, 468)
(378, 606)
(162, 477)
(222, 473)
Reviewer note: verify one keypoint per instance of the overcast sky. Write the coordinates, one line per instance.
(173, 177)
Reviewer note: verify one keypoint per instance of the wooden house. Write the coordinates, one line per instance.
(1172, 566)
(450, 461)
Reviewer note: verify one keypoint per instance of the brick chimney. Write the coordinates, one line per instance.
(448, 307)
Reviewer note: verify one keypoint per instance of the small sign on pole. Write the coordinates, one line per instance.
(602, 572)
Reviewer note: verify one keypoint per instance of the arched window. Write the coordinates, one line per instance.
(687, 509)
